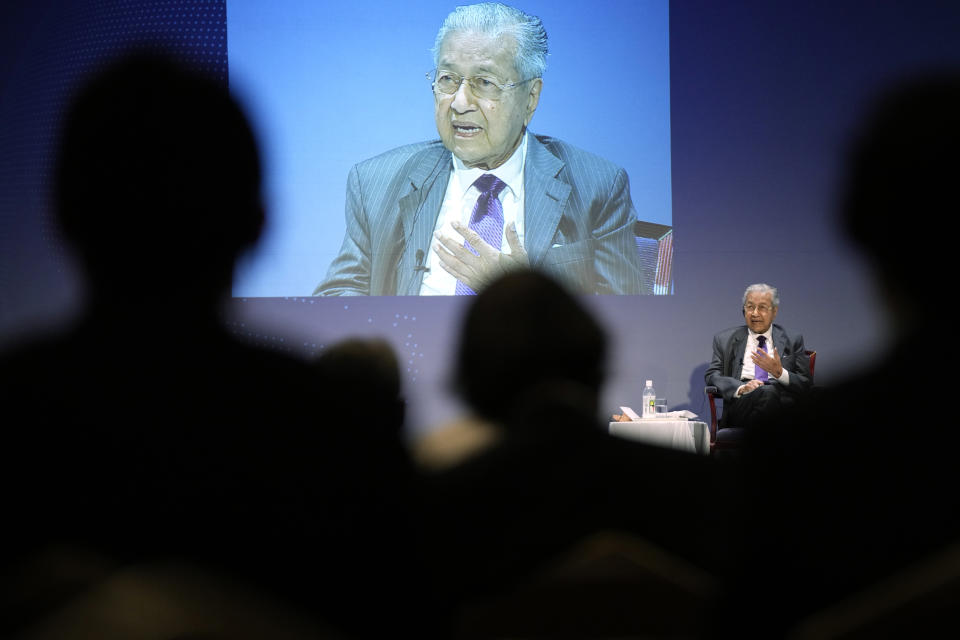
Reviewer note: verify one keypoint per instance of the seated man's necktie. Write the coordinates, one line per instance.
(486, 219)
(761, 374)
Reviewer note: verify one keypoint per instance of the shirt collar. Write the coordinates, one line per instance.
(510, 172)
(768, 333)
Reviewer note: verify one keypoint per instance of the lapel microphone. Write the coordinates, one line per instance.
(420, 266)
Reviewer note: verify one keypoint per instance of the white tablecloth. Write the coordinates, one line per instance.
(687, 435)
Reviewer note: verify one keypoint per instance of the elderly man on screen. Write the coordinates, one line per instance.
(447, 217)
(757, 367)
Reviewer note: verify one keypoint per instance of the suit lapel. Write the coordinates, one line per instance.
(418, 208)
(779, 339)
(545, 198)
(738, 347)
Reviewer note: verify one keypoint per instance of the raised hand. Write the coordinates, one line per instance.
(480, 269)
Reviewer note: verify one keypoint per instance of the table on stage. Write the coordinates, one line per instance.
(686, 435)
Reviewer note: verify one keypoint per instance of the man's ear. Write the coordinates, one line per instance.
(533, 99)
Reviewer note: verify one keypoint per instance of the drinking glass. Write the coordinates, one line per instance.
(660, 407)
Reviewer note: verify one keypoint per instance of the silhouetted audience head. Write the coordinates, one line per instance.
(901, 195)
(157, 181)
(366, 376)
(524, 334)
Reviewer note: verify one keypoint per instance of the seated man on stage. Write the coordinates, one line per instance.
(757, 367)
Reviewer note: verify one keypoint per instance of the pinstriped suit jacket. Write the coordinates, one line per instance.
(578, 219)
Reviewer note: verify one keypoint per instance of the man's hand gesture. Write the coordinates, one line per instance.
(770, 364)
(477, 271)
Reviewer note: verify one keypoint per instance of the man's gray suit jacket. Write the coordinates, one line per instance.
(578, 221)
(729, 347)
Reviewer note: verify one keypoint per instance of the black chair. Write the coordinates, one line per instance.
(729, 437)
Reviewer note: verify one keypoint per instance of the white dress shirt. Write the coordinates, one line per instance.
(458, 203)
(748, 368)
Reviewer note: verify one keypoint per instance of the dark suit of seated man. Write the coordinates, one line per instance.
(757, 367)
(448, 217)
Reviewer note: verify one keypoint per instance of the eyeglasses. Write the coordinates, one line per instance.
(487, 87)
(750, 308)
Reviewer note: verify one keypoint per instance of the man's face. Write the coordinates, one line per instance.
(759, 311)
(483, 132)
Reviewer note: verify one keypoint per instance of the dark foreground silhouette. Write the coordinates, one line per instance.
(144, 433)
(854, 487)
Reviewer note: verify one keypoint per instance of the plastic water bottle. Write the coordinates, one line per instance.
(649, 399)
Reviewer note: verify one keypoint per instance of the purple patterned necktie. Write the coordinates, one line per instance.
(486, 219)
(761, 374)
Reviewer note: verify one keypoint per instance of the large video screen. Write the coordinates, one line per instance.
(332, 85)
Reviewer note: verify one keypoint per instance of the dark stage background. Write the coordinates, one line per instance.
(763, 99)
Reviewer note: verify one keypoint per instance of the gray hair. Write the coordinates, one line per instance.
(496, 20)
(763, 289)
